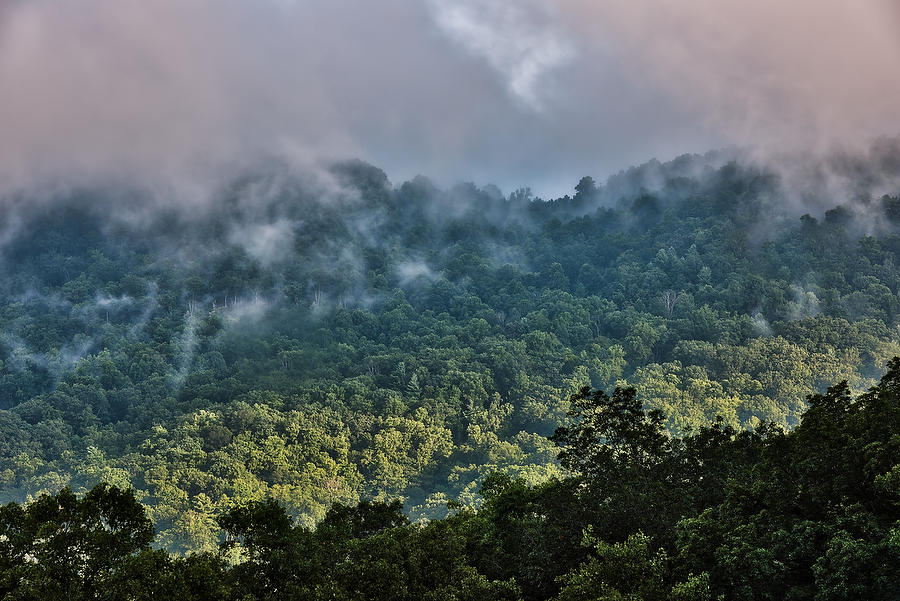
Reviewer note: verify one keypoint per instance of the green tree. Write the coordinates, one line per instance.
(62, 546)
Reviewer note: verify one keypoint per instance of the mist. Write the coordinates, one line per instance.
(174, 95)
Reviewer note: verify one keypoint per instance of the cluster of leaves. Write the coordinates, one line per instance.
(406, 342)
(811, 514)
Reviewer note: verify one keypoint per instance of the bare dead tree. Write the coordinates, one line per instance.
(317, 295)
(669, 299)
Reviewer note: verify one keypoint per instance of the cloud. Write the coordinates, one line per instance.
(266, 242)
(518, 40)
(410, 272)
(174, 94)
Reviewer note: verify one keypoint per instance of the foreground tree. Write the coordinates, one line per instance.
(65, 547)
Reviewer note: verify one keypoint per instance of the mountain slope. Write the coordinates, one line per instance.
(320, 338)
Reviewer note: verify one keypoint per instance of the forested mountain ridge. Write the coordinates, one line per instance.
(322, 339)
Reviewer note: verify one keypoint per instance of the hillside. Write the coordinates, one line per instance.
(810, 514)
(325, 337)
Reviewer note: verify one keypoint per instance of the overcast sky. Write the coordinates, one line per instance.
(514, 92)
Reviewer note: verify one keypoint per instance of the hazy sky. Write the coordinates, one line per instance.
(515, 92)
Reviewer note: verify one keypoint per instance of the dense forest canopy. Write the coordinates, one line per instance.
(811, 514)
(321, 338)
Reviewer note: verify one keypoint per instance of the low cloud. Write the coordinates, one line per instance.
(175, 94)
(518, 40)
